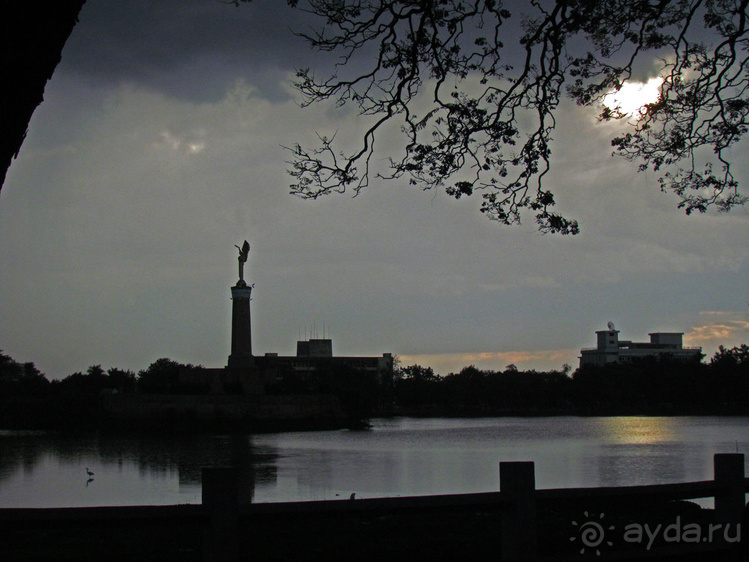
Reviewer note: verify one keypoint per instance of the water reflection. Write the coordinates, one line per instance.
(640, 429)
(396, 457)
(47, 468)
(639, 464)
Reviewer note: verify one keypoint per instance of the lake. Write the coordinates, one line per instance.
(396, 457)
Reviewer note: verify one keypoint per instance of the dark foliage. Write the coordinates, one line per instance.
(18, 379)
(475, 88)
(29, 400)
(165, 376)
(648, 386)
(481, 392)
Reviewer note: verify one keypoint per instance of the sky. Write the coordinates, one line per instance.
(159, 147)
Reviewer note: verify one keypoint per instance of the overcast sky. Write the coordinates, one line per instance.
(159, 147)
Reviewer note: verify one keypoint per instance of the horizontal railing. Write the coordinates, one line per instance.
(221, 510)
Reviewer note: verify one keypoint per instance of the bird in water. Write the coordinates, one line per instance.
(89, 472)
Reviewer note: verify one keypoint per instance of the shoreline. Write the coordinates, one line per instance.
(240, 414)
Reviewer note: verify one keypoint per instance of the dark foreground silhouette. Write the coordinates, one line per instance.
(448, 533)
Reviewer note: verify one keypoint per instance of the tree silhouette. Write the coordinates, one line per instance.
(32, 43)
(165, 376)
(475, 90)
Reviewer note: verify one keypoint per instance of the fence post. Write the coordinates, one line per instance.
(729, 476)
(220, 499)
(517, 481)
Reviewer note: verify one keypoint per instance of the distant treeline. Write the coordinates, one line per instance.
(649, 386)
(28, 399)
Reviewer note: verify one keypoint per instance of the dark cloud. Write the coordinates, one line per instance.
(191, 50)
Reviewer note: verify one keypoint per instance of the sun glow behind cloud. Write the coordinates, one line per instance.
(632, 97)
(180, 145)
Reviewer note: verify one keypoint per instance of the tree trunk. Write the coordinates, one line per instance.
(33, 36)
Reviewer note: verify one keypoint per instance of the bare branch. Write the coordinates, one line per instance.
(471, 139)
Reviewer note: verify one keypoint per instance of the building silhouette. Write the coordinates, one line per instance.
(662, 345)
(313, 389)
(247, 373)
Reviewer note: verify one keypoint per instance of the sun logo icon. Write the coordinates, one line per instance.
(592, 533)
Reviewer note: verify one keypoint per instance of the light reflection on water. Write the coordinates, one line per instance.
(397, 457)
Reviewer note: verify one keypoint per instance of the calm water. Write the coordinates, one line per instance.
(397, 457)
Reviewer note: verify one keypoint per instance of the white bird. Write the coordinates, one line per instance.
(89, 472)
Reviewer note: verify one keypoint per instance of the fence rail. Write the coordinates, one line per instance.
(221, 510)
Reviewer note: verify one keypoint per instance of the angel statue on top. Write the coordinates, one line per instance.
(243, 251)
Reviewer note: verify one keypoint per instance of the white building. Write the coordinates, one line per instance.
(611, 349)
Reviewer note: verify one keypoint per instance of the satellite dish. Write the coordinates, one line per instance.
(611, 326)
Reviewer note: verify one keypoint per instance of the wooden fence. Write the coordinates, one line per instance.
(221, 514)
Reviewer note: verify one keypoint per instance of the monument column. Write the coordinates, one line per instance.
(241, 327)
